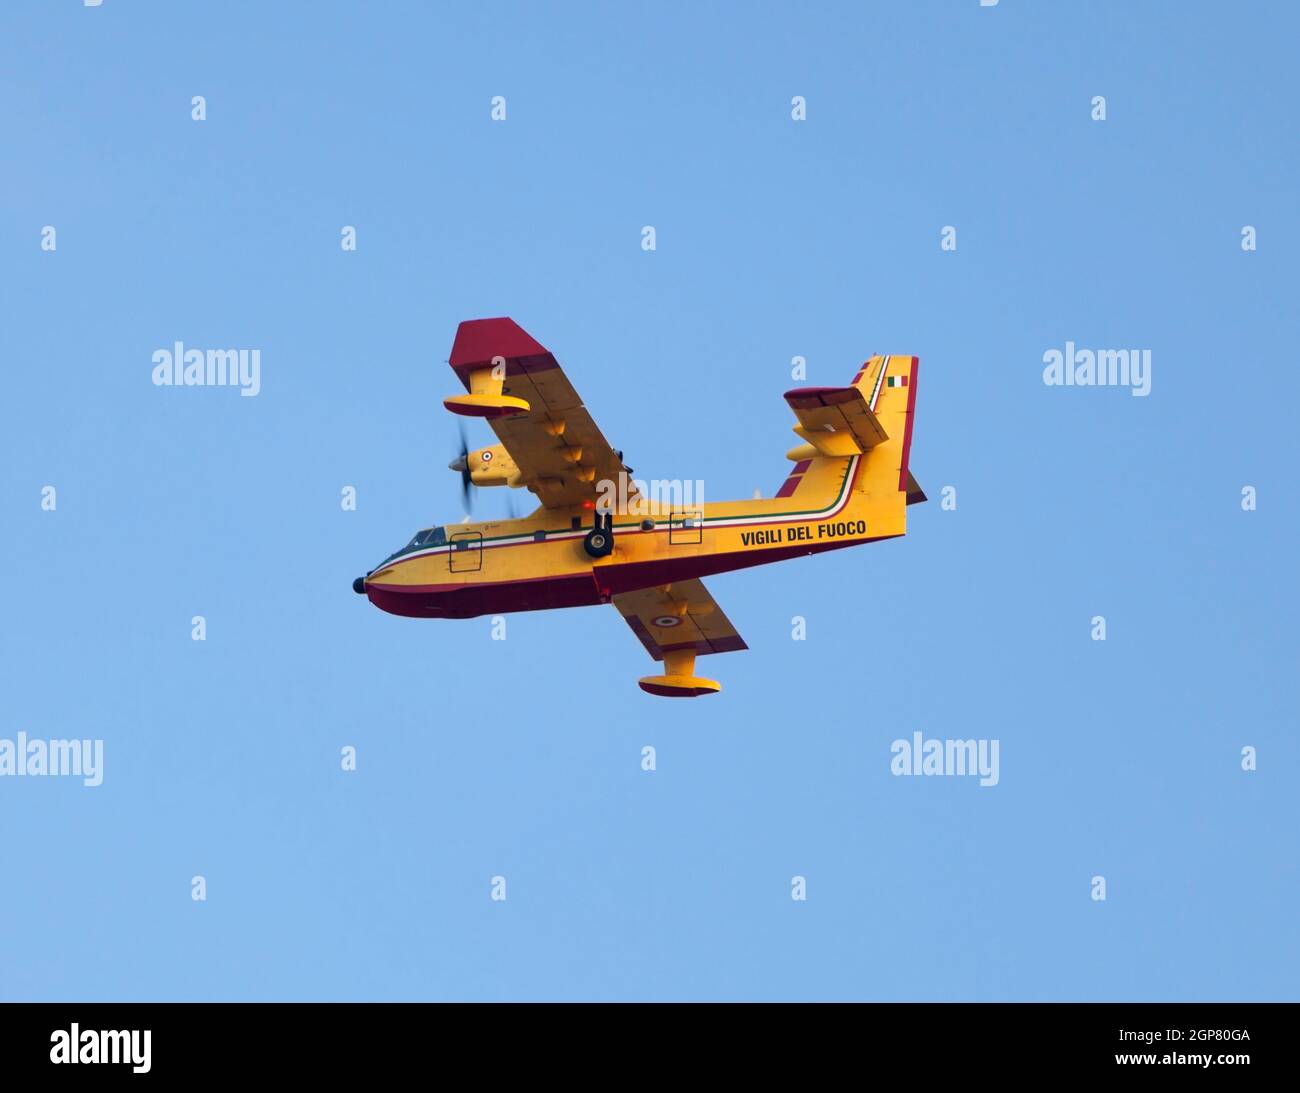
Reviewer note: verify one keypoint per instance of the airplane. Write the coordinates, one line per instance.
(596, 538)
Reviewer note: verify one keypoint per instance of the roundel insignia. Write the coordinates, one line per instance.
(667, 621)
(487, 457)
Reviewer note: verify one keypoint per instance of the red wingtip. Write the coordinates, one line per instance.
(479, 341)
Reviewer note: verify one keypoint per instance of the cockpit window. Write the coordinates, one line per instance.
(429, 537)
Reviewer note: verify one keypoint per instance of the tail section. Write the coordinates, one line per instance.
(870, 419)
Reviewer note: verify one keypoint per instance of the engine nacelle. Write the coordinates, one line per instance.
(492, 467)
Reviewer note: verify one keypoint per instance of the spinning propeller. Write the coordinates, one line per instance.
(461, 463)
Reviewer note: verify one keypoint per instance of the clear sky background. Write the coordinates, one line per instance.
(522, 757)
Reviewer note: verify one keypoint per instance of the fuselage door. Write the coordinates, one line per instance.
(466, 554)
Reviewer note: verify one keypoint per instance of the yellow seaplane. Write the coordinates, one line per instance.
(597, 538)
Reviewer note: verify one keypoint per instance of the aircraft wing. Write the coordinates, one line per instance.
(559, 450)
(678, 617)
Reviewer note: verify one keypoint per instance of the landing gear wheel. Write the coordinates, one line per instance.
(599, 542)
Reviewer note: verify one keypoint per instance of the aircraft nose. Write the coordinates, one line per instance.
(457, 464)
(359, 586)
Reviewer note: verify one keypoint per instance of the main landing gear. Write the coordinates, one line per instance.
(599, 542)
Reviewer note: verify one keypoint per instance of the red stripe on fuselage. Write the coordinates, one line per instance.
(466, 601)
(907, 427)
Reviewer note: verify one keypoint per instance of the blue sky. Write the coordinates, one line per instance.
(521, 757)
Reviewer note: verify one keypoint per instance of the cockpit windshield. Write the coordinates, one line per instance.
(429, 537)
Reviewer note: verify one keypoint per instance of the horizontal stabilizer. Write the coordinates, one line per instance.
(835, 420)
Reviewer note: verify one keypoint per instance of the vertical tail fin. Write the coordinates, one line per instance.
(888, 384)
